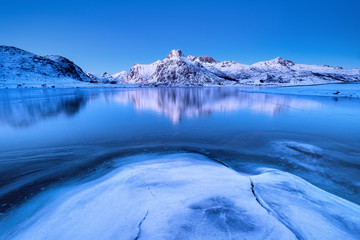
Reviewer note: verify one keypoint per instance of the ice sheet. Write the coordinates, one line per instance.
(186, 196)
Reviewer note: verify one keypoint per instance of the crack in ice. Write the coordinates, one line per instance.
(272, 212)
(222, 163)
(151, 192)
(139, 226)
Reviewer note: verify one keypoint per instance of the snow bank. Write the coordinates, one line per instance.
(332, 90)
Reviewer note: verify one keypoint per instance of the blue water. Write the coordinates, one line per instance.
(49, 137)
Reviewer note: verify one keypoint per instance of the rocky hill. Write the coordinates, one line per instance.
(19, 67)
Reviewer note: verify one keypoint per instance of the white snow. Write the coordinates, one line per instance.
(333, 90)
(185, 196)
(119, 77)
(178, 70)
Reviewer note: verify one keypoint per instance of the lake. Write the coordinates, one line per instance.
(53, 141)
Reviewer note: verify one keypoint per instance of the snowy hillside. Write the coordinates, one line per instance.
(19, 67)
(120, 76)
(178, 70)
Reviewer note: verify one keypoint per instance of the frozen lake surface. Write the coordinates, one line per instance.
(178, 163)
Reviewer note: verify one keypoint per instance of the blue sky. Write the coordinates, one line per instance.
(113, 35)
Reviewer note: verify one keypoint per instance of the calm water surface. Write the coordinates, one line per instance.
(52, 136)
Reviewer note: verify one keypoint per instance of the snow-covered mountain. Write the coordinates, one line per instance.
(120, 76)
(178, 70)
(21, 68)
(107, 78)
(103, 78)
(175, 69)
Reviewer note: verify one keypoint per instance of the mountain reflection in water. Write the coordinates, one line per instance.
(177, 103)
(21, 108)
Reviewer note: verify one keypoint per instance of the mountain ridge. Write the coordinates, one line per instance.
(178, 70)
(18, 67)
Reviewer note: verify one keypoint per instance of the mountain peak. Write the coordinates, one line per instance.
(207, 59)
(283, 62)
(106, 75)
(176, 53)
(13, 50)
(276, 62)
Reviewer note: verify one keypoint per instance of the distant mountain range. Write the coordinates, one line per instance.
(178, 70)
(107, 78)
(21, 68)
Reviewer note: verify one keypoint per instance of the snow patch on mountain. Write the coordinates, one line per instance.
(277, 63)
